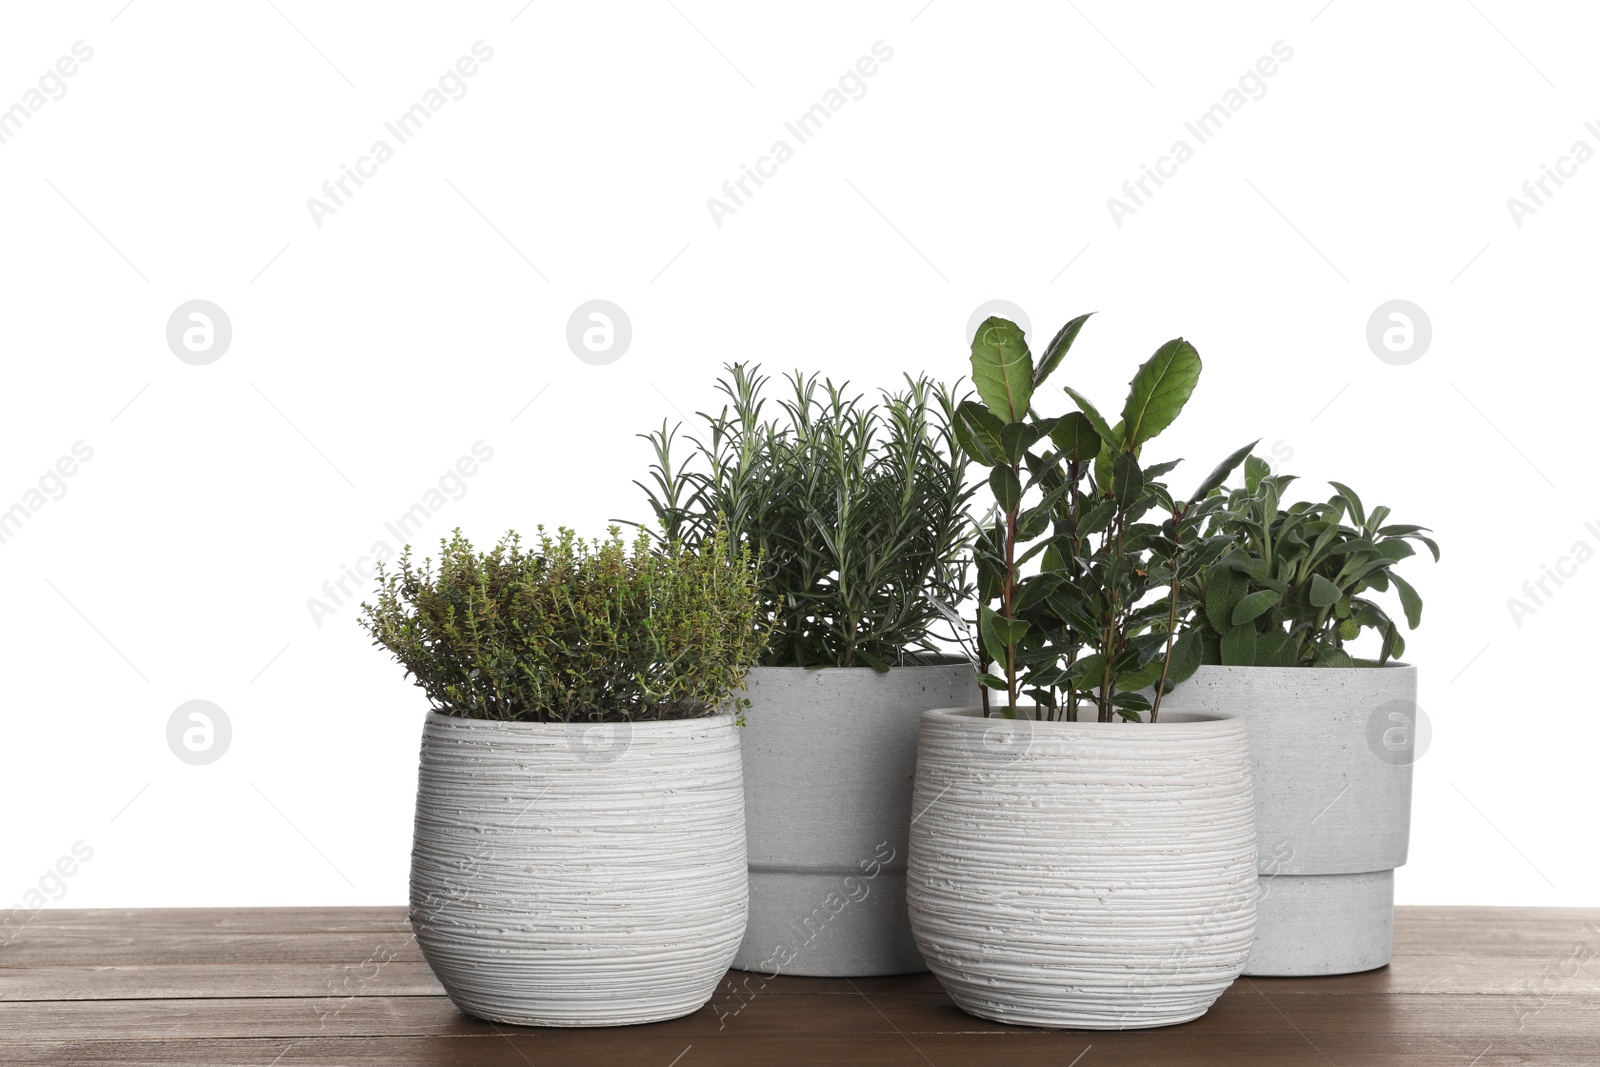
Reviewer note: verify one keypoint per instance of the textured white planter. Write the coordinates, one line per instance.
(1331, 761)
(579, 875)
(1087, 875)
(829, 757)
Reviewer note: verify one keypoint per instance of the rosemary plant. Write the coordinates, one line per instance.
(856, 511)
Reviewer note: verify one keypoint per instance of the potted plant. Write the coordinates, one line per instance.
(1073, 864)
(1332, 735)
(857, 513)
(579, 857)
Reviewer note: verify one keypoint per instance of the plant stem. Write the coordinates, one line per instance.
(1006, 591)
(1172, 613)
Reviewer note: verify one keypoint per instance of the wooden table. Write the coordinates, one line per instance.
(1469, 987)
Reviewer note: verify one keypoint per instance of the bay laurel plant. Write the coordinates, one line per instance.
(1082, 571)
(1296, 583)
(574, 630)
(856, 511)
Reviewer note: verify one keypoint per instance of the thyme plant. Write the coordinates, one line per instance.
(857, 512)
(1294, 586)
(573, 631)
(1096, 619)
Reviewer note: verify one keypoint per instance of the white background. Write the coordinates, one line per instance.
(428, 311)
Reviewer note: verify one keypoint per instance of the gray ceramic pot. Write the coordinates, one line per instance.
(575, 874)
(829, 759)
(1088, 875)
(1331, 753)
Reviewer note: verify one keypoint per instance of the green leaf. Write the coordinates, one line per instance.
(1096, 420)
(992, 644)
(1143, 676)
(1224, 589)
(1239, 646)
(1275, 649)
(1255, 469)
(1395, 550)
(1186, 652)
(1215, 479)
(1071, 611)
(1159, 390)
(970, 445)
(1089, 672)
(1247, 565)
(978, 433)
(1075, 436)
(872, 661)
(1323, 592)
(1034, 590)
(1002, 368)
(1409, 600)
(1006, 488)
(1096, 518)
(1101, 468)
(991, 682)
(1130, 703)
(1056, 350)
(1254, 604)
(1127, 481)
(1011, 631)
(1334, 657)
(1031, 524)
(1356, 512)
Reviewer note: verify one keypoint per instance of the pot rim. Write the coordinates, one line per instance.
(952, 661)
(1392, 665)
(1188, 721)
(460, 721)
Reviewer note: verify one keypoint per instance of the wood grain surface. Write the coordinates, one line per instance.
(1469, 987)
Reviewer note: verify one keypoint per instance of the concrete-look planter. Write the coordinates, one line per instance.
(579, 875)
(1083, 874)
(1331, 761)
(828, 761)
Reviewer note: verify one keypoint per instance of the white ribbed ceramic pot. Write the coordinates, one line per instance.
(1083, 874)
(1332, 749)
(579, 875)
(829, 756)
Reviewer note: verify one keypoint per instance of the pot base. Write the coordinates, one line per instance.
(1055, 1018)
(838, 923)
(1323, 924)
(615, 1015)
